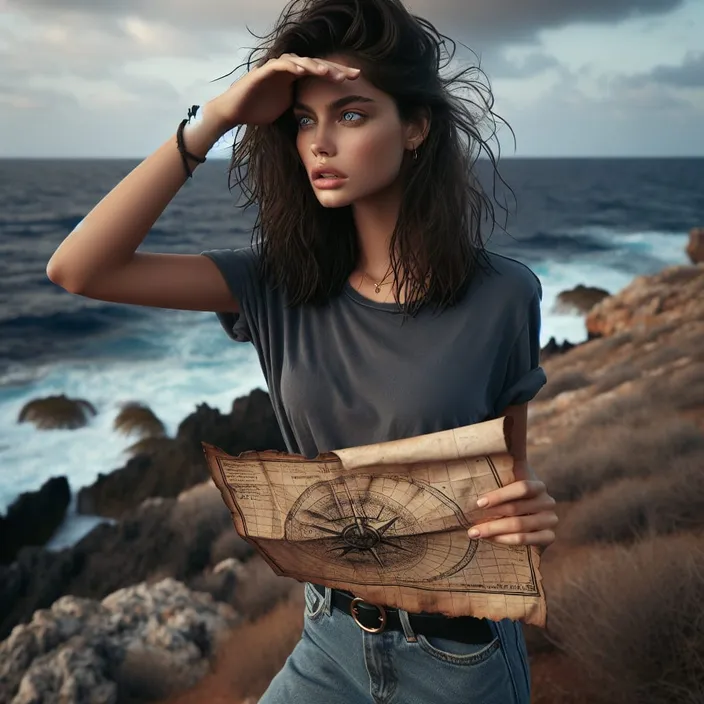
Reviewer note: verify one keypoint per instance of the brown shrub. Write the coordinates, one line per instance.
(251, 656)
(631, 409)
(568, 380)
(200, 515)
(589, 459)
(57, 412)
(634, 508)
(135, 417)
(537, 640)
(695, 345)
(632, 618)
(258, 587)
(661, 356)
(229, 544)
(616, 340)
(682, 389)
(657, 331)
(615, 376)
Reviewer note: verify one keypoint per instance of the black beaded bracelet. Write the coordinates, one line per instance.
(185, 155)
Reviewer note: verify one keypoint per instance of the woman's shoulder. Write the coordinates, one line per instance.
(512, 275)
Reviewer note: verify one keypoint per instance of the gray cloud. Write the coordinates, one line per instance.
(478, 20)
(157, 54)
(95, 55)
(689, 74)
(533, 64)
(617, 120)
(100, 37)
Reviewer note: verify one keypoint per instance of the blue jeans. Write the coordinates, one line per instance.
(336, 662)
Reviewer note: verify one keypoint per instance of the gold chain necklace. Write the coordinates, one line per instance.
(377, 284)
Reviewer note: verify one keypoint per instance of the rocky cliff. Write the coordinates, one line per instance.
(617, 434)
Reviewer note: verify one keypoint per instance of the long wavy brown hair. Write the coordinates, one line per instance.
(437, 243)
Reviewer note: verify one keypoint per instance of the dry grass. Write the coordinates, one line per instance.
(592, 458)
(656, 332)
(252, 655)
(633, 508)
(229, 544)
(640, 430)
(681, 390)
(615, 376)
(615, 341)
(258, 587)
(631, 409)
(555, 679)
(625, 580)
(568, 380)
(661, 356)
(632, 619)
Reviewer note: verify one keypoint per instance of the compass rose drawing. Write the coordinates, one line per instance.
(386, 526)
(362, 536)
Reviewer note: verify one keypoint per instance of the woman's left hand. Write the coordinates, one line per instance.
(523, 513)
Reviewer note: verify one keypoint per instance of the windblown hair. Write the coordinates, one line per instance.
(437, 243)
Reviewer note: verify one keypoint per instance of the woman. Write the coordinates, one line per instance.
(374, 307)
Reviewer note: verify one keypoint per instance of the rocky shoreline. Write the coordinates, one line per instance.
(164, 580)
(148, 641)
(159, 467)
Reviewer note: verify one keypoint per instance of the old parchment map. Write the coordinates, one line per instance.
(388, 522)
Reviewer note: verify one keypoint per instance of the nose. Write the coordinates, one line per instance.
(322, 143)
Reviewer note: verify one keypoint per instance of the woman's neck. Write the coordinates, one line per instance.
(375, 220)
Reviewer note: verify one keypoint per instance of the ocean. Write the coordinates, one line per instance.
(598, 222)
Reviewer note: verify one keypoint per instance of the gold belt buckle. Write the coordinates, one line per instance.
(355, 612)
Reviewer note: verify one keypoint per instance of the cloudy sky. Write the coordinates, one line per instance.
(109, 78)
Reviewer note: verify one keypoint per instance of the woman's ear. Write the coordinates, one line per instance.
(418, 128)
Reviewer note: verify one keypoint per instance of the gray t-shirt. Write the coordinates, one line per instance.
(349, 373)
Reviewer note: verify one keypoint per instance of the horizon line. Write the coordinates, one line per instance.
(501, 158)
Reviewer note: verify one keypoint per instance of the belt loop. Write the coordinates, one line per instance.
(328, 601)
(407, 628)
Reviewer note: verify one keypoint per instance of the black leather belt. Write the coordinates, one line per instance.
(375, 619)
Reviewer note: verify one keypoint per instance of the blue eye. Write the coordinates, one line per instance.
(360, 116)
(351, 112)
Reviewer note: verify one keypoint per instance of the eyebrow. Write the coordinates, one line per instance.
(336, 104)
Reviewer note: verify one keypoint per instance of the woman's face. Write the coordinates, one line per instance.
(360, 137)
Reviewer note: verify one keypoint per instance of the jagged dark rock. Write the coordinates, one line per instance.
(33, 517)
(174, 464)
(553, 347)
(162, 537)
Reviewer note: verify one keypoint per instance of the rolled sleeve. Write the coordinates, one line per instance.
(524, 375)
(239, 268)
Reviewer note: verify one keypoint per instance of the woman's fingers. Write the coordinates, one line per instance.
(521, 507)
(512, 528)
(524, 515)
(285, 63)
(324, 66)
(319, 67)
(523, 489)
(541, 538)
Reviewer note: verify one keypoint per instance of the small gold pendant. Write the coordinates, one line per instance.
(377, 288)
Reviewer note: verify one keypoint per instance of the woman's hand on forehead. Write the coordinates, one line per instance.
(321, 67)
(264, 94)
